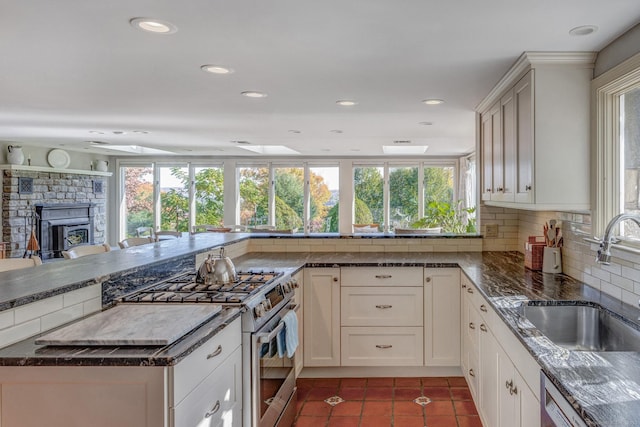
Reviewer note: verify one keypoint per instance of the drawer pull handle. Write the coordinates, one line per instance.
(469, 290)
(383, 306)
(483, 308)
(527, 187)
(215, 353)
(464, 286)
(483, 328)
(472, 326)
(473, 374)
(335, 279)
(383, 346)
(213, 410)
(508, 384)
(428, 279)
(383, 276)
(513, 390)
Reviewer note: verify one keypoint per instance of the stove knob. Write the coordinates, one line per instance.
(259, 310)
(295, 284)
(267, 305)
(286, 287)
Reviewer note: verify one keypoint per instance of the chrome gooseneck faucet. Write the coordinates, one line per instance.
(604, 253)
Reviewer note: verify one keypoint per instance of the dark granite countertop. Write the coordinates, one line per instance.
(27, 353)
(602, 387)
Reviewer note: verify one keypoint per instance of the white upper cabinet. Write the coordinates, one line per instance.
(534, 134)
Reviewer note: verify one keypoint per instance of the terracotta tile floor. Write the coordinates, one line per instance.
(385, 402)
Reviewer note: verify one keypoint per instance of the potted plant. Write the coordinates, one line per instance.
(446, 217)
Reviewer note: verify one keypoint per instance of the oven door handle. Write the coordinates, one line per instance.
(268, 336)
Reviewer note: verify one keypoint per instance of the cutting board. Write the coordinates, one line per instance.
(133, 325)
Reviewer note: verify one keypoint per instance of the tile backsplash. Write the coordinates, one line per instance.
(620, 279)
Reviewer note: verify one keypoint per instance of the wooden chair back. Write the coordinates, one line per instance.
(135, 241)
(85, 250)
(18, 263)
(144, 232)
(164, 234)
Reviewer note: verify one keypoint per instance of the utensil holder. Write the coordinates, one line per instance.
(552, 260)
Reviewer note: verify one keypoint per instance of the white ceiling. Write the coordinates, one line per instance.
(72, 66)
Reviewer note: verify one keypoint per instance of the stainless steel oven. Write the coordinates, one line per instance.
(270, 393)
(555, 411)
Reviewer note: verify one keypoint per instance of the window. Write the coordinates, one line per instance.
(209, 195)
(254, 195)
(616, 179)
(174, 198)
(403, 196)
(324, 194)
(368, 188)
(137, 200)
(289, 197)
(303, 197)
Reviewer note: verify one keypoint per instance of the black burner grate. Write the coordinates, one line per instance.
(183, 288)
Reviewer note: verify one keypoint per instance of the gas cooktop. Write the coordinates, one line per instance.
(183, 288)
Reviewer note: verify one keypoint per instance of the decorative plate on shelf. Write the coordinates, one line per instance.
(58, 159)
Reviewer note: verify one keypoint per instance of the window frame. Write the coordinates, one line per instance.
(606, 157)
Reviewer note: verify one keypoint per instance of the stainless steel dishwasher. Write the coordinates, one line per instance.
(555, 410)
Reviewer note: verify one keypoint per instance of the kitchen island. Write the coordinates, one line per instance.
(599, 388)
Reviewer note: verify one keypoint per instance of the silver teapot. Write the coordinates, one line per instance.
(217, 270)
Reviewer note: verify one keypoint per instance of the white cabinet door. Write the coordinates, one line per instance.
(486, 146)
(508, 133)
(523, 97)
(217, 401)
(488, 377)
(298, 298)
(321, 317)
(442, 316)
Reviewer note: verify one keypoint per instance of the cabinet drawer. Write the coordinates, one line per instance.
(217, 401)
(381, 276)
(194, 368)
(382, 346)
(397, 306)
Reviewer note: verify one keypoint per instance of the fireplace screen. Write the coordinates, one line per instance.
(77, 236)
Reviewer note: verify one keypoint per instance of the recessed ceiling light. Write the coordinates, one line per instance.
(216, 69)
(241, 142)
(141, 132)
(433, 101)
(335, 131)
(253, 94)
(426, 123)
(404, 149)
(294, 131)
(152, 25)
(96, 132)
(119, 132)
(325, 149)
(583, 30)
(346, 102)
(355, 149)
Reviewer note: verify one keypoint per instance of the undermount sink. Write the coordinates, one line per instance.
(582, 327)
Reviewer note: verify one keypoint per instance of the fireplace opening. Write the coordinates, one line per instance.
(63, 226)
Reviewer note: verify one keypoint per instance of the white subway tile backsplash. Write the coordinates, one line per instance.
(19, 332)
(60, 317)
(92, 306)
(81, 295)
(610, 289)
(6, 318)
(38, 309)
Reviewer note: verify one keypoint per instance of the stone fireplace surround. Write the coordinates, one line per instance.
(48, 188)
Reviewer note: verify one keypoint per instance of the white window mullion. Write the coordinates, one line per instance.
(157, 206)
(307, 198)
(192, 196)
(272, 195)
(420, 190)
(385, 197)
